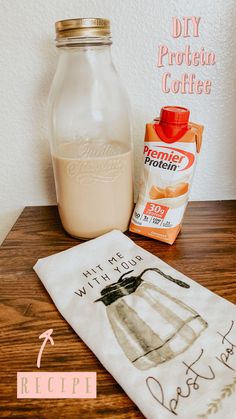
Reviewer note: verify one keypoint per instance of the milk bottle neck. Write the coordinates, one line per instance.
(95, 56)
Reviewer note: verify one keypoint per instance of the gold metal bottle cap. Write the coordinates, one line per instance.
(82, 28)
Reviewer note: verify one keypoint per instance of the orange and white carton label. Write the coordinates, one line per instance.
(168, 170)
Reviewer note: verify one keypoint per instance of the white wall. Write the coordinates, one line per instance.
(28, 60)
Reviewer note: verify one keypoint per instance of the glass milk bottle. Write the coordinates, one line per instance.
(90, 132)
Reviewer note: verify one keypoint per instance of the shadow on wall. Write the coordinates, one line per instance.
(7, 219)
(48, 57)
(139, 124)
(231, 104)
(226, 159)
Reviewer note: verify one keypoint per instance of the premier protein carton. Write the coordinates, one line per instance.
(171, 146)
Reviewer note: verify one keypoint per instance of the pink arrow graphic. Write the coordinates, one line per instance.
(47, 336)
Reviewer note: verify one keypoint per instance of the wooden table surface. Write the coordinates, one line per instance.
(205, 251)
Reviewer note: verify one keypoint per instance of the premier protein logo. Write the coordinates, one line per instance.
(168, 158)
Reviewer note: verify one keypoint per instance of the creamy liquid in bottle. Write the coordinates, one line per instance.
(94, 185)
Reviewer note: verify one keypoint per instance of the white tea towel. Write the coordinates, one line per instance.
(169, 342)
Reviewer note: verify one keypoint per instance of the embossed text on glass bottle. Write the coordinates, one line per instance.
(90, 132)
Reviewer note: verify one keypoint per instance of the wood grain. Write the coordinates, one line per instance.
(205, 251)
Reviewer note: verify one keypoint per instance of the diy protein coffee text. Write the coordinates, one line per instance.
(188, 83)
